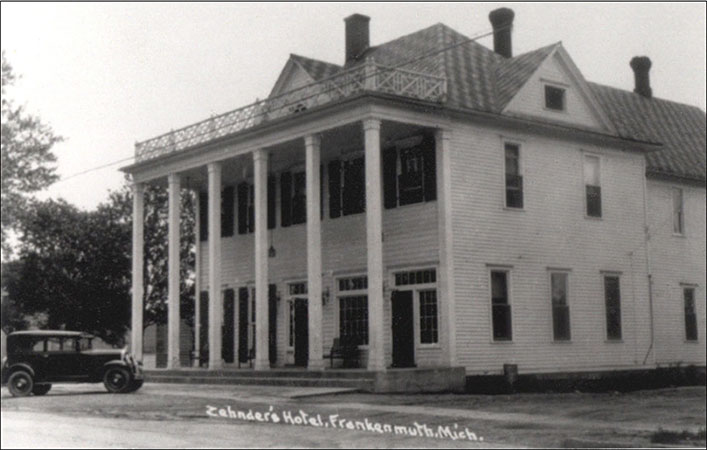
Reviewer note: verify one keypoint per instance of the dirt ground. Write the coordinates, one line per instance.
(525, 420)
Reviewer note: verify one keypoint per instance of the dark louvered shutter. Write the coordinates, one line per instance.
(321, 191)
(272, 323)
(286, 199)
(243, 325)
(227, 212)
(272, 185)
(390, 178)
(334, 189)
(203, 216)
(430, 169)
(243, 208)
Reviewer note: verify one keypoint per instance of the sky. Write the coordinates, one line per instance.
(105, 75)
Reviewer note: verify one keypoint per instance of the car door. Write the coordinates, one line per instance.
(63, 361)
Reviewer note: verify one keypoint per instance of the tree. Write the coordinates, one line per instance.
(27, 158)
(75, 266)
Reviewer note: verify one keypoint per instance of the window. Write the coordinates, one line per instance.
(500, 306)
(612, 297)
(353, 283)
(690, 314)
(554, 98)
(54, 344)
(246, 206)
(298, 288)
(415, 277)
(347, 187)
(678, 215)
(429, 332)
(592, 185)
(560, 308)
(409, 172)
(514, 180)
(353, 319)
(293, 198)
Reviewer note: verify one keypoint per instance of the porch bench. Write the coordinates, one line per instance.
(346, 350)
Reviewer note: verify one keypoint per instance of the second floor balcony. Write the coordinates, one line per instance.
(368, 77)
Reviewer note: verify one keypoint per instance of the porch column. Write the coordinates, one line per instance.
(314, 251)
(260, 171)
(197, 280)
(447, 297)
(173, 272)
(215, 302)
(374, 243)
(137, 274)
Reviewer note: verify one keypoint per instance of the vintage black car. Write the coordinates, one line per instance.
(35, 359)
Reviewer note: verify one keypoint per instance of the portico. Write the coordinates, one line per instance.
(248, 263)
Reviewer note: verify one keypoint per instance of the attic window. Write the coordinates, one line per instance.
(554, 98)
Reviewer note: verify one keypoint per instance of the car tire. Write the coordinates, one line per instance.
(20, 383)
(135, 385)
(41, 389)
(117, 380)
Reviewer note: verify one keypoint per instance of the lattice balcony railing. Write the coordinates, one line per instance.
(367, 77)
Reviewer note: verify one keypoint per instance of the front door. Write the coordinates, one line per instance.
(301, 324)
(403, 329)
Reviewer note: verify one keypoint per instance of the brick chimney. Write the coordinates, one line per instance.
(641, 66)
(502, 22)
(357, 36)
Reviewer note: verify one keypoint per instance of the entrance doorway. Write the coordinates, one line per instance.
(403, 329)
(301, 325)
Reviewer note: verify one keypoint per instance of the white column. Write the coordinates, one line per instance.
(260, 170)
(314, 252)
(215, 302)
(197, 279)
(137, 275)
(173, 275)
(374, 243)
(445, 279)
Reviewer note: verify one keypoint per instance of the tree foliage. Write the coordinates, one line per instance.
(75, 266)
(27, 158)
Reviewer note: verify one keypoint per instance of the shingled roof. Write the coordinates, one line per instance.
(480, 79)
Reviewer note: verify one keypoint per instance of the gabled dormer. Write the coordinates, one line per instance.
(556, 91)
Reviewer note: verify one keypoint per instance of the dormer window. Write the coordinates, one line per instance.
(554, 98)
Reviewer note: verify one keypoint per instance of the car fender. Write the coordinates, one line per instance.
(113, 363)
(7, 371)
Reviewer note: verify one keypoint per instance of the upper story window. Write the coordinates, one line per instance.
(347, 187)
(293, 198)
(554, 98)
(678, 213)
(592, 183)
(514, 179)
(409, 172)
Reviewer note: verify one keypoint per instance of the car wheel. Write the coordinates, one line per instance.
(135, 385)
(117, 380)
(41, 389)
(20, 383)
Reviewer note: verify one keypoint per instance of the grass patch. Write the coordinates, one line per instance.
(676, 437)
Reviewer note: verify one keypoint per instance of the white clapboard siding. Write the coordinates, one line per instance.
(551, 231)
(676, 261)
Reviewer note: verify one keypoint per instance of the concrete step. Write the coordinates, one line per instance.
(261, 380)
(247, 373)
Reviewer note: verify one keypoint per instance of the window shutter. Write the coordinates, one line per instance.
(227, 212)
(243, 325)
(334, 189)
(243, 208)
(430, 169)
(286, 199)
(272, 205)
(390, 178)
(321, 191)
(203, 216)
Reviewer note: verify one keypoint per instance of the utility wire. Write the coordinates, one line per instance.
(300, 99)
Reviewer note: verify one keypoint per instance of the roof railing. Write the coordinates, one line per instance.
(370, 76)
